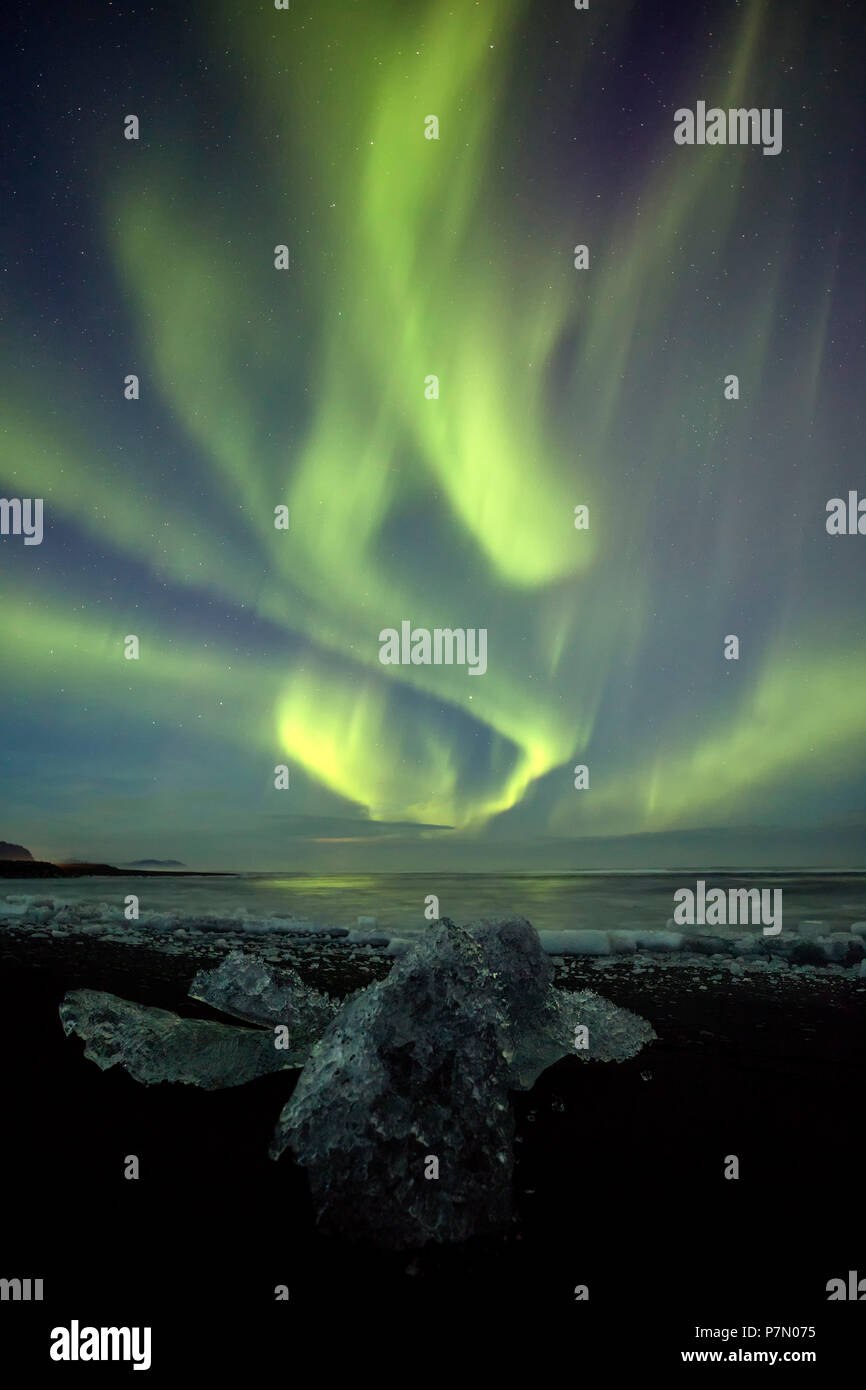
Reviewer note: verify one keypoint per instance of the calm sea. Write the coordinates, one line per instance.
(550, 901)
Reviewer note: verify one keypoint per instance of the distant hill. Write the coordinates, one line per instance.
(13, 851)
(37, 868)
(154, 864)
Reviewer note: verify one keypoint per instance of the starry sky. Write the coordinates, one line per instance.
(558, 387)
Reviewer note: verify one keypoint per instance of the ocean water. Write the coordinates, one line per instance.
(552, 902)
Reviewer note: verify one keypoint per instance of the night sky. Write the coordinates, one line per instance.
(558, 387)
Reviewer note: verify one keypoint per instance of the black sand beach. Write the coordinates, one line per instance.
(619, 1174)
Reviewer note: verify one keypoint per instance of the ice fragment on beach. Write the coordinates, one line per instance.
(812, 930)
(842, 947)
(540, 1020)
(156, 1045)
(412, 1067)
(615, 1034)
(248, 988)
(419, 1065)
(363, 937)
(580, 942)
(399, 945)
(650, 940)
(622, 942)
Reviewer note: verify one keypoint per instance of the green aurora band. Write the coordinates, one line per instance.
(409, 257)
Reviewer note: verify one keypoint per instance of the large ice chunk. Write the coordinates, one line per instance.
(156, 1045)
(402, 1116)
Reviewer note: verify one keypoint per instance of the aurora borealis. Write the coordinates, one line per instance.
(454, 258)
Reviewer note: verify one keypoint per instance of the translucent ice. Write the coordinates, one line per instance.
(250, 989)
(402, 1116)
(156, 1045)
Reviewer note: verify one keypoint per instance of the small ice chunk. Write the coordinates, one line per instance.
(707, 945)
(156, 1045)
(612, 1034)
(843, 947)
(622, 942)
(399, 945)
(251, 989)
(750, 945)
(656, 940)
(368, 938)
(661, 940)
(812, 930)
